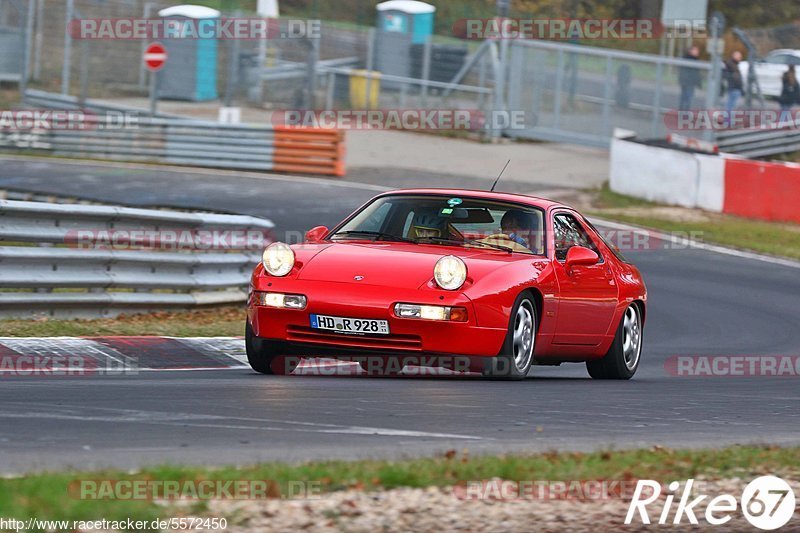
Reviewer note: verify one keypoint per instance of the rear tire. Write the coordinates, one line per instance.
(263, 355)
(516, 356)
(622, 359)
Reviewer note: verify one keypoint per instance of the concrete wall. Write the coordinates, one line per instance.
(724, 183)
(667, 176)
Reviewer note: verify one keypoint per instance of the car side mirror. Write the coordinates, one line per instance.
(316, 234)
(580, 256)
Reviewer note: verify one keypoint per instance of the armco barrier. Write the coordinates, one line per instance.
(723, 184)
(62, 277)
(309, 150)
(181, 141)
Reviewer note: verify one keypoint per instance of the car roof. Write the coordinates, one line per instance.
(784, 51)
(535, 201)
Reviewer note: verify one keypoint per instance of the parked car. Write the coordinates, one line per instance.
(770, 71)
(504, 280)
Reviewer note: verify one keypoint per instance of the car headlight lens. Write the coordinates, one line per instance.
(280, 301)
(450, 272)
(278, 259)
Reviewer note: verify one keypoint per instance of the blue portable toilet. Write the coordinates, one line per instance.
(400, 24)
(407, 16)
(191, 69)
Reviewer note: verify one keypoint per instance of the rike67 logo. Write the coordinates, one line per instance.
(767, 503)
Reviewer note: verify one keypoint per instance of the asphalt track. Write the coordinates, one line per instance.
(701, 303)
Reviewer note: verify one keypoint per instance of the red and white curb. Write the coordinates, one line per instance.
(25, 356)
(59, 356)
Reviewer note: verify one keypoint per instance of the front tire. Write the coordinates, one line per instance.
(622, 359)
(263, 355)
(516, 357)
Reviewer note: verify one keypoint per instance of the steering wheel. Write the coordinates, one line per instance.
(502, 239)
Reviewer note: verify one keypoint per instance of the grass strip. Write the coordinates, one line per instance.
(48, 495)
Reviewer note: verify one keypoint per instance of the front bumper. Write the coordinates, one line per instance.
(293, 327)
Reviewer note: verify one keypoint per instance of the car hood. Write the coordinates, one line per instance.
(392, 264)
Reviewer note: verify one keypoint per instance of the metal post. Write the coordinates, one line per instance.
(26, 34)
(515, 77)
(311, 66)
(657, 99)
(84, 94)
(607, 96)
(65, 68)
(481, 80)
(498, 97)
(142, 69)
(329, 89)
(559, 88)
(37, 57)
(537, 87)
(233, 70)
(370, 59)
(714, 77)
(426, 69)
(153, 93)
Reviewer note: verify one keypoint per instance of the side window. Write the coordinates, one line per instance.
(778, 59)
(568, 232)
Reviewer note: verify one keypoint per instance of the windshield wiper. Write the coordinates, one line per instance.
(445, 240)
(377, 234)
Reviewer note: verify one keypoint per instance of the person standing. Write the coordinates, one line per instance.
(735, 83)
(790, 93)
(689, 79)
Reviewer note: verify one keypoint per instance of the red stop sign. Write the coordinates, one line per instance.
(155, 57)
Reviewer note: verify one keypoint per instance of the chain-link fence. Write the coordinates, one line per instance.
(565, 91)
(13, 38)
(271, 74)
(765, 40)
(578, 93)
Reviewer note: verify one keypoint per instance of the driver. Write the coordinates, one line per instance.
(516, 225)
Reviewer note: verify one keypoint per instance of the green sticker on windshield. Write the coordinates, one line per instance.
(452, 202)
(446, 211)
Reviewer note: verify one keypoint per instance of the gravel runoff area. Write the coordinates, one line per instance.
(452, 509)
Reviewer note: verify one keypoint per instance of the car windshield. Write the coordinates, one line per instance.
(447, 220)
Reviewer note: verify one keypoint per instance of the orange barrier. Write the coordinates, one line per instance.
(309, 150)
(767, 191)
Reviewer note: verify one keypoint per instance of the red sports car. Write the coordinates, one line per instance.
(471, 280)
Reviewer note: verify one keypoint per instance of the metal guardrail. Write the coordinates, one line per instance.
(761, 142)
(47, 100)
(181, 141)
(61, 277)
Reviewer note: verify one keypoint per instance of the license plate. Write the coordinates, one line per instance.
(352, 326)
